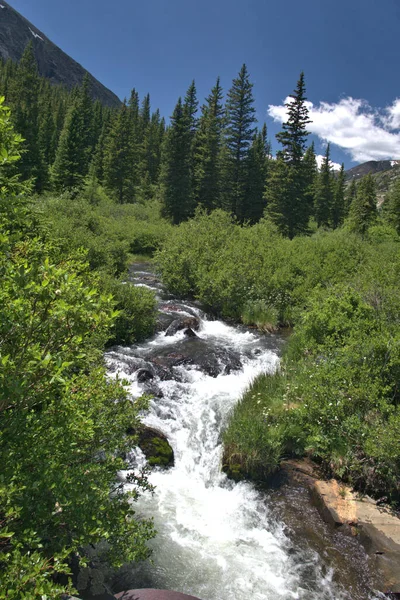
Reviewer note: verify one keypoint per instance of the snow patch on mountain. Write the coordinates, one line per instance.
(35, 35)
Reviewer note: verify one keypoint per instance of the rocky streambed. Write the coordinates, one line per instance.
(217, 539)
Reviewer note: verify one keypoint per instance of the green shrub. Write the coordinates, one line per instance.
(137, 310)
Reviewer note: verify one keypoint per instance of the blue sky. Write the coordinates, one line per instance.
(348, 49)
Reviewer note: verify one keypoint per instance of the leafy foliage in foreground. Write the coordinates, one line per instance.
(62, 424)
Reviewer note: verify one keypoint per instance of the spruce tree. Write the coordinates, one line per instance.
(69, 167)
(363, 210)
(240, 129)
(310, 170)
(257, 168)
(324, 192)
(350, 194)
(190, 107)
(391, 207)
(24, 93)
(338, 208)
(176, 179)
(278, 195)
(293, 139)
(119, 174)
(208, 147)
(85, 106)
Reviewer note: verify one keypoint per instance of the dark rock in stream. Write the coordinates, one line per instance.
(194, 351)
(192, 323)
(144, 375)
(189, 333)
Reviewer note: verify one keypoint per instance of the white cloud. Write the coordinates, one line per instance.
(320, 158)
(351, 124)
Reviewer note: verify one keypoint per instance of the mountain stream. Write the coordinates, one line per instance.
(217, 539)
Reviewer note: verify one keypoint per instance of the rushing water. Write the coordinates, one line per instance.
(217, 539)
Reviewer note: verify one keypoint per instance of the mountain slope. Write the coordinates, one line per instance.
(372, 166)
(53, 63)
(385, 172)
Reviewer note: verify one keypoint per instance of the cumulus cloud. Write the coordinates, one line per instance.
(320, 158)
(351, 124)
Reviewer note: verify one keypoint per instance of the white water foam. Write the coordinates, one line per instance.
(217, 539)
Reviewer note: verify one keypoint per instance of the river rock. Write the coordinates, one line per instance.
(150, 388)
(197, 352)
(155, 447)
(189, 333)
(192, 323)
(152, 594)
(144, 374)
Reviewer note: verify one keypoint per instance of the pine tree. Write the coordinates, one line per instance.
(24, 93)
(144, 116)
(85, 106)
(338, 208)
(278, 195)
(208, 146)
(240, 129)
(293, 139)
(391, 207)
(310, 169)
(97, 164)
(363, 210)
(176, 180)
(190, 107)
(119, 172)
(69, 170)
(257, 169)
(350, 194)
(324, 192)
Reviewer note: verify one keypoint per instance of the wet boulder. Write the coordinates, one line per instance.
(189, 333)
(144, 374)
(184, 323)
(197, 353)
(150, 388)
(155, 447)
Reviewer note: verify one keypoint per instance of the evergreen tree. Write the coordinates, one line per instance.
(363, 210)
(293, 136)
(278, 195)
(310, 171)
(338, 208)
(85, 106)
(46, 138)
(257, 166)
(324, 192)
(350, 194)
(144, 116)
(240, 119)
(208, 146)
(69, 169)
(97, 165)
(25, 96)
(293, 139)
(176, 181)
(190, 107)
(119, 172)
(391, 207)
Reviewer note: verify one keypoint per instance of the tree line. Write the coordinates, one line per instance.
(212, 157)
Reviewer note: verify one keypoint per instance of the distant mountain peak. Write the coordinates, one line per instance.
(371, 166)
(54, 64)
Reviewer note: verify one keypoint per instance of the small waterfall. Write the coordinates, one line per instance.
(217, 539)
